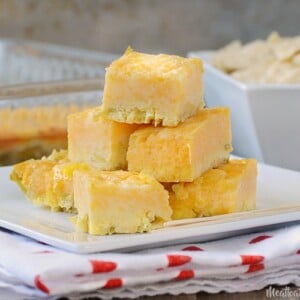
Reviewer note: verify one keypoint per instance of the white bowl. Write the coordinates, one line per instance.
(265, 117)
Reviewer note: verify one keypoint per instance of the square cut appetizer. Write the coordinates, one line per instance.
(159, 89)
(182, 153)
(227, 189)
(48, 182)
(95, 140)
(119, 202)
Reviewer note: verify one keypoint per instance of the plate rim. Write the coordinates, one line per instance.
(160, 236)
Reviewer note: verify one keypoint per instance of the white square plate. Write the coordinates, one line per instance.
(278, 202)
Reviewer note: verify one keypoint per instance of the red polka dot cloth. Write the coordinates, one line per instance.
(242, 263)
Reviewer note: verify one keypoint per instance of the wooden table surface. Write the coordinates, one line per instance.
(256, 295)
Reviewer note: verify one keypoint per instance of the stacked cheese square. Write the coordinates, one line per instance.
(151, 152)
(152, 124)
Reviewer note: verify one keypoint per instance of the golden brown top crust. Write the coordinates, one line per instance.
(133, 62)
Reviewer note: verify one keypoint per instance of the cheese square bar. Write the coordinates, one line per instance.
(100, 142)
(226, 189)
(182, 153)
(160, 89)
(62, 188)
(119, 202)
(48, 182)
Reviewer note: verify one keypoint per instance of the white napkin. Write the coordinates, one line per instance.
(238, 264)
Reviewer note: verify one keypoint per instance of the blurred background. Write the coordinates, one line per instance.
(173, 26)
